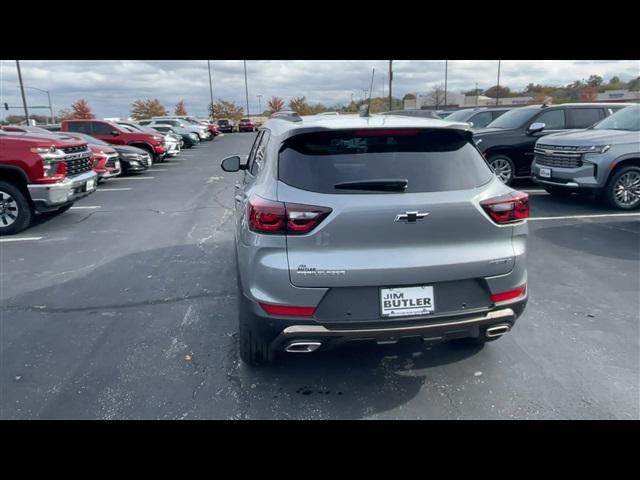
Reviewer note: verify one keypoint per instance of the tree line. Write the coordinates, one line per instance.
(577, 91)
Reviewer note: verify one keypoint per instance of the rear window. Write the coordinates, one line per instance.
(430, 160)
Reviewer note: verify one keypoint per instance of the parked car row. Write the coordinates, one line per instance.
(44, 170)
(587, 147)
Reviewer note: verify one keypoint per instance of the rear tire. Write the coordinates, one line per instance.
(16, 212)
(623, 188)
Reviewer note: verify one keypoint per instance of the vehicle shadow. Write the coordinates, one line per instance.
(126, 326)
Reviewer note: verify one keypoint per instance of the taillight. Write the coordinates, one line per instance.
(507, 208)
(288, 310)
(508, 295)
(266, 216)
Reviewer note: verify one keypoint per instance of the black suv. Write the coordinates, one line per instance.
(225, 126)
(480, 117)
(507, 142)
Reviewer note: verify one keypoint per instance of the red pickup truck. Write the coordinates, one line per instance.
(113, 133)
(40, 174)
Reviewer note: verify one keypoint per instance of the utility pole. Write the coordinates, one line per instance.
(446, 68)
(498, 87)
(49, 97)
(259, 104)
(476, 94)
(24, 98)
(390, 80)
(246, 87)
(210, 89)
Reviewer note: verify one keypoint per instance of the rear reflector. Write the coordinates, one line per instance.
(288, 310)
(502, 296)
(509, 208)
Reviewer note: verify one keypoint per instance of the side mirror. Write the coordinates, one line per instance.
(536, 127)
(232, 164)
(115, 133)
(470, 124)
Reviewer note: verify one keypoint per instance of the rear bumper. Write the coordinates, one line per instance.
(51, 196)
(437, 331)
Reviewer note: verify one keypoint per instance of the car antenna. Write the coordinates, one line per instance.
(368, 112)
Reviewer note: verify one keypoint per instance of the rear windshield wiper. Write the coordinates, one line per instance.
(395, 185)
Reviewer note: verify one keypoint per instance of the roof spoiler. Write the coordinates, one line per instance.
(288, 115)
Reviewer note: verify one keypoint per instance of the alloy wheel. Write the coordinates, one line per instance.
(8, 209)
(626, 190)
(503, 169)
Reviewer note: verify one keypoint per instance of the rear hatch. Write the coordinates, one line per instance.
(384, 234)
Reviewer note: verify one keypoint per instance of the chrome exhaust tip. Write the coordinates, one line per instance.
(497, 330)
(302, 347)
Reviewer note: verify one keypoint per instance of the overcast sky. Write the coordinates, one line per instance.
(111, 86)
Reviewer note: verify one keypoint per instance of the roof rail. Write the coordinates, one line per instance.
(289, 115)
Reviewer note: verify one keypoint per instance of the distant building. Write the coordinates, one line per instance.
(456, 100)
(618, 96)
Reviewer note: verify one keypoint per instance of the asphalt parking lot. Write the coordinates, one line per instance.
(124, 307)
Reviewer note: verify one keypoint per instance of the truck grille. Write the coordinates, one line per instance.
(78, 165)
(111, 162)
(558, 162)
(79, 149)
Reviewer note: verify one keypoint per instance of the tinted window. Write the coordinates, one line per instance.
(514, 118)
(481, 120)
(460, 116)
(82, 127)
(497, 113)
(585, 117)
(626, 119)
(553, 119)
(431, 160)
(100, 128)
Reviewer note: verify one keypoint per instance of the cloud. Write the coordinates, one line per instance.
(111, 86)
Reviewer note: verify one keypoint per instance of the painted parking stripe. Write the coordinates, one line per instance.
(131, 178)
(86, 207)
(22, 239)
(113, 189)
(602, 215)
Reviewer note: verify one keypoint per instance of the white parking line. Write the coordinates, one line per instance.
(113, 189)
(132, 178)
(599, 215)
(86, 207)
(23, 239)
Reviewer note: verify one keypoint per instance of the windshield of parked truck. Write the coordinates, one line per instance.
(460, 115)
(512, 119)
(625, 119)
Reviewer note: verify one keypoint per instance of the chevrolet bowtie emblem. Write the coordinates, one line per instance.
(410, 217)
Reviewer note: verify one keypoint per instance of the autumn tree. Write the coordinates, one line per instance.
(180, 108)
(436, 96)
(594, 81)
(224, 109)
(302, 107)
(141, 109)
(494, 91)
(81, 110)
(275, 104)
(589, 94)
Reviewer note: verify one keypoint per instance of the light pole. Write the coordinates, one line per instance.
(49, 97)
(24, 98)
(446, 68)
(210, 89)
(390, 79)
(259, 103)
(246, 87)
(498, 86)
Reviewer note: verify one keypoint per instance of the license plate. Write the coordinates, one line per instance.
(545, 172)
(408, 301)
(90, 185)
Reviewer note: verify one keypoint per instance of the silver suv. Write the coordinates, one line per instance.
(603, 159)
(373, 228)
